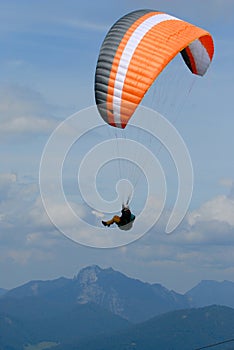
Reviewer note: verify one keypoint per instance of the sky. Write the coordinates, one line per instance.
(47, 67)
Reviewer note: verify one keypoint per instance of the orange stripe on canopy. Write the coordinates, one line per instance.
(115, 64)
(158, 47)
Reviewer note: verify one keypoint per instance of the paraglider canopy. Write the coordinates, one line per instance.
(135, 51)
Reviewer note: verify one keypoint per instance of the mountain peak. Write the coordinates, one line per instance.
(88, 275)
(209, 292)
(213, 283)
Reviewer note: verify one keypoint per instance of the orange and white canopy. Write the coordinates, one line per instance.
(135, 51)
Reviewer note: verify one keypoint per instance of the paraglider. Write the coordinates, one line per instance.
(124, 222)
(134, 52)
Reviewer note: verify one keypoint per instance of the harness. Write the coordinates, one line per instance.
(126, 223)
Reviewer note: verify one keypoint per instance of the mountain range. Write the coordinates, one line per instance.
(178, 330)
(126, 297)
(99, 306)
(2, 291)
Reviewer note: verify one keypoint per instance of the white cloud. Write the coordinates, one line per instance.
(97, 214)
(26, 233)
(27, 124)
(84, 24)
(24, 256)
(23, 110)
(37, 216)
(227, 182)
(220, 208)
(45, 239)
(7, 179)
(19, 256)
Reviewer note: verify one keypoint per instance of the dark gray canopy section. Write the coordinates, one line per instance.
(106, 57)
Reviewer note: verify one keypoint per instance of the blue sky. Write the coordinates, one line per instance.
(48, 58)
